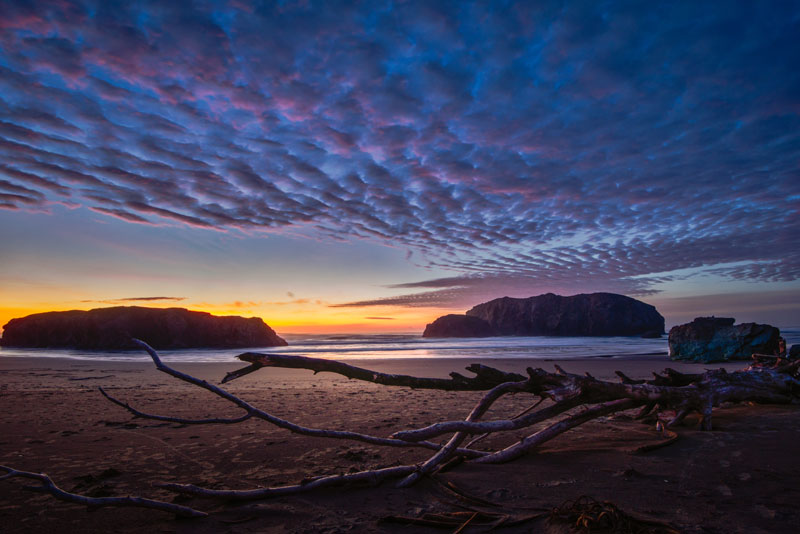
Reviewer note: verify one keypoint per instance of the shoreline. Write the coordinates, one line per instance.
(635, 366)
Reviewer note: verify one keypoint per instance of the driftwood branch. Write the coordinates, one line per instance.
(485, 377)
(561, 401)
(46, 485)
(170, 419)
(498, 425)
(671, 390)
(518, 449)
(373, 477)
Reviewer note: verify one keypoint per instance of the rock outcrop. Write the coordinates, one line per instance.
(455, 325)
(596, 314)
(113, 328)
(718, 339)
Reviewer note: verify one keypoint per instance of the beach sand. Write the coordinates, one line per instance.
(741, 477)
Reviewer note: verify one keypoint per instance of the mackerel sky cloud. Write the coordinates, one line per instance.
(504, 147)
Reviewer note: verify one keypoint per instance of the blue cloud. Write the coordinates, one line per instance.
(520, 146)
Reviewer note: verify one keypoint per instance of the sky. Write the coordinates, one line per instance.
(367, 167)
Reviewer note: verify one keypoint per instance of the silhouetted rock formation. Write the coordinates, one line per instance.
(113, 328)
(596, 314)
(454, 325)
(715, 339)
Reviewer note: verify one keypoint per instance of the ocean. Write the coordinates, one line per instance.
(401, 346)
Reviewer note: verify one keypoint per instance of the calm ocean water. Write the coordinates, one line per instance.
(359, 347)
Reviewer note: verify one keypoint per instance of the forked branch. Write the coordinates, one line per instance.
(485, 377)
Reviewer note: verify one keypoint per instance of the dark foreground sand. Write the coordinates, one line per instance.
(742, 477)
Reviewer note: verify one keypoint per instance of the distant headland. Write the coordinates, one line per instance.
(113, 328)
(595, 314)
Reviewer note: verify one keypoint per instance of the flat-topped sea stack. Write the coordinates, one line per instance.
(717, 339)
(595, 314)
(113, 329)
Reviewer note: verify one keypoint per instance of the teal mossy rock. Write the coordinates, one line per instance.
(718, 339)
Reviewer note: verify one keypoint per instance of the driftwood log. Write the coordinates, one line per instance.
(560, 401)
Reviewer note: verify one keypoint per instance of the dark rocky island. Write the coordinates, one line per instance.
(595, 314)
(717, 339)
(113, 328)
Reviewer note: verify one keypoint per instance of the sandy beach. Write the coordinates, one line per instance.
(740, 477)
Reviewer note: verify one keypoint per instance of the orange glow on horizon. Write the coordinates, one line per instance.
(314, 319)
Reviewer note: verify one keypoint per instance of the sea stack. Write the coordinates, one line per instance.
(595, 314)
(113, 329)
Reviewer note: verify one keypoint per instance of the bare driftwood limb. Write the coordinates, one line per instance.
(372, 478)
(520, 414)
(485, 377)
(671, 390)
(46, 485)
(534, 440)
(572, 400)
(169, 419)
(569, 390)
(498, 425)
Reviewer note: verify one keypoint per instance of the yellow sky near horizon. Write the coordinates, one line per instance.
(305, 318)
(311, 316)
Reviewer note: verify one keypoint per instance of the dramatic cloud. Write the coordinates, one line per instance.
(526, 148)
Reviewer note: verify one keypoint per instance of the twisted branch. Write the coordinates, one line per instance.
(372, 477)
(515, 451)
(485, 377)
(170, 419)
(48, 486)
